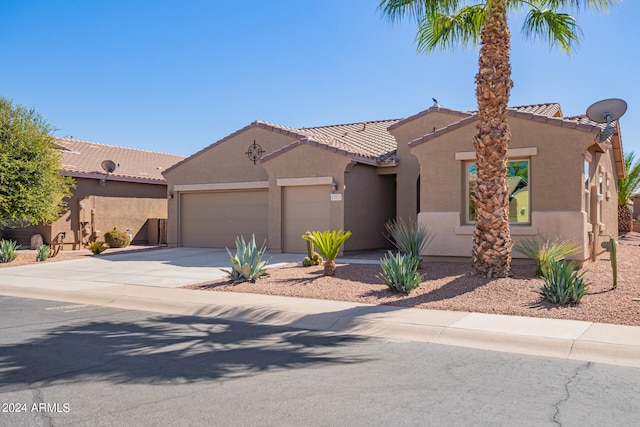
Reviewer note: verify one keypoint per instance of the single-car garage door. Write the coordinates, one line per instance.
(215, 219)
(305, 208)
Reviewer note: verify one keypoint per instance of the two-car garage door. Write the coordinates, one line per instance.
(214, 219)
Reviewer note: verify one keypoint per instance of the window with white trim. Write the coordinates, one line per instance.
(519, 197)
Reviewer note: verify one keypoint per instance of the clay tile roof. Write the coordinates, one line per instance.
(83, 159)
(549, 110)
(365, 139)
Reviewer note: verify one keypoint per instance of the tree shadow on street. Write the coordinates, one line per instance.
(164, 349)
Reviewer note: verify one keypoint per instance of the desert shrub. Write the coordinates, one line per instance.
(247, 262)
(43, 253)
(313, 257)
(8, 250)
(400, 272)
(328, 244)
(96, 247)
(562, 284)
(545, 251)
(117, 239)
(408, 236)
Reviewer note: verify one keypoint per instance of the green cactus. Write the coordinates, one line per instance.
(614, 261)
(313, 257)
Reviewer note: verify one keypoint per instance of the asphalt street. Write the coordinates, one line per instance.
(76, 364)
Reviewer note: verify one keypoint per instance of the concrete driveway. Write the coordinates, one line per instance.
(169, 268)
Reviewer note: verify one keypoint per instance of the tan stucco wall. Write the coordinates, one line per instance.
(556, 186)
(224, 162)
(304, 161)
(133, 204)
(408, 168)
(369, 202)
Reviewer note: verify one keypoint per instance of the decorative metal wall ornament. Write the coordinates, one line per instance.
(254, 152)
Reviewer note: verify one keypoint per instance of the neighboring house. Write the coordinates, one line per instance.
(128, 198)
(278, 182)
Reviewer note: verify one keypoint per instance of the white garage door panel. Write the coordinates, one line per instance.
(215, 219)
(305, 208)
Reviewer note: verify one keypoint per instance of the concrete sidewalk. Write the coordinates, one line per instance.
(107, 281)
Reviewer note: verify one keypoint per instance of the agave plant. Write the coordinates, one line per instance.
(43, 253)
(408, 236)
(562, 284)
(400, 272)
(328, 244)
(545, 251)
(8, 250)
(247, 262)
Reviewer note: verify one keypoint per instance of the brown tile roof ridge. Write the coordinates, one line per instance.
(583, 125)
(82, 159)
(433, 108)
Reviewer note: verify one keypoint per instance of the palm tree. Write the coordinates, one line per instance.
(628, 188)
(445, 23)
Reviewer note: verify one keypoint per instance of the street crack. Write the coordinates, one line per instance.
(578, 371)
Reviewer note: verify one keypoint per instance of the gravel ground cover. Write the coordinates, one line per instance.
(449, 286)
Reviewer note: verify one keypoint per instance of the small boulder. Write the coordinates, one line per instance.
(36, 241)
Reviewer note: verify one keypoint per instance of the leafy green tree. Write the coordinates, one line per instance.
(628, 188)
(32, 190)
(446, 23)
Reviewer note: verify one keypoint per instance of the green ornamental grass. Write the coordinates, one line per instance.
(545, 251)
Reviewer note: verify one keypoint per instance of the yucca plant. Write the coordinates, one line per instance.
(544, 251)
(96, 247)
(247, 262)
(43, 253)
(408, 236)
(400, 272)
(8, 250)
(562, 284)
(328, 244)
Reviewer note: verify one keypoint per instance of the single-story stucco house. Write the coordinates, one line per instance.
(134, 194)
(278, 182)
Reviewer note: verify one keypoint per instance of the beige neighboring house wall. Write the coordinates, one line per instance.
(129, 198)
(556, 149)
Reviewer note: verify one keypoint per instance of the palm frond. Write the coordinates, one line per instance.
(441, 30)
(560, 29)
(630, 184)
(397, 10)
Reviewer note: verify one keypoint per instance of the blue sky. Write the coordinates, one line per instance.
(175, 76)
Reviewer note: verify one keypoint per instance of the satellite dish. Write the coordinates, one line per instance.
(606, 111)
(109, 166)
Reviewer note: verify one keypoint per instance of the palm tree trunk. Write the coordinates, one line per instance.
(625, 219)
(492, 242)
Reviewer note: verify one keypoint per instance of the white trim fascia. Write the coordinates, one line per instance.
(255, 185)
(297, 182)
(511, 153)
